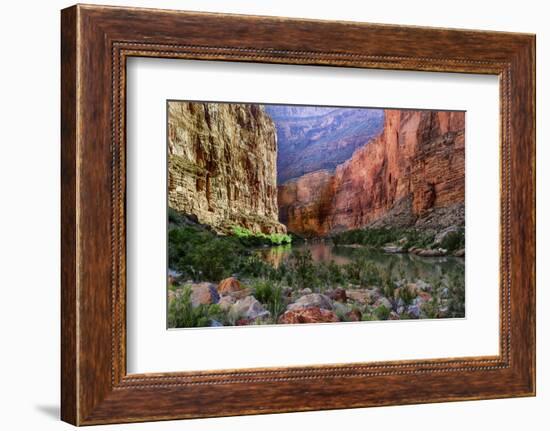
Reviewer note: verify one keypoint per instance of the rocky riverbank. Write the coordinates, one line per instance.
(235, 303)
(449, 241)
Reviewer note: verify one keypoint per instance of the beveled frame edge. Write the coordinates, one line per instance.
(96, 41)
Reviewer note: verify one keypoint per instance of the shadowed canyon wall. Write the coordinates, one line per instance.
(412, 174)
(222, 165)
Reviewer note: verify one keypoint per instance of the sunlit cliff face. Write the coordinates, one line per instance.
(413, 167)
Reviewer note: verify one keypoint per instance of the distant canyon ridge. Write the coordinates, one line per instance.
(315, 170)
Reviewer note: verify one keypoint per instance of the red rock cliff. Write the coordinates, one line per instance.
(414, 168)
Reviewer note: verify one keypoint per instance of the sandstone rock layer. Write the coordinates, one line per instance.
(413, 169)
(222, 165)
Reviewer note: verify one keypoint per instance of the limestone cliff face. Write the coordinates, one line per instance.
(222, 165)
(413, 169)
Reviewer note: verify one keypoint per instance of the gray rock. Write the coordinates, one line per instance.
(174, 273)
(312, 300)
(383, 301)
(413, 311)
(460, 253)
(393, 316)
(226, 302)
(215, 323)
(248, 308)
(391, 248)
(362, 296)
(422, 285)
(418, 301)
(443, 311)
(430, 252)
(441, 236)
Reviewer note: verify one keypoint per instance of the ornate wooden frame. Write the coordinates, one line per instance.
(95, 43)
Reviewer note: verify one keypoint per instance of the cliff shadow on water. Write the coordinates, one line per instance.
(285, 214)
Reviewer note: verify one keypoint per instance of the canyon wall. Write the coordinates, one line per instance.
(311, 138)
(222, 165)
(412, 174)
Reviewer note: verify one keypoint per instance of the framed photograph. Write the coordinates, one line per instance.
(292, 215)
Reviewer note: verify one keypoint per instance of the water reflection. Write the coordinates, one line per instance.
(408, 265)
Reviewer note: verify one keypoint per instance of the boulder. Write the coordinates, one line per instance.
(393, 316)
(391, 248)
(243, 322)
(240, 294)
(363, 296)
(443, 312)
(441, 236)
(423, 297)
(312, 300)
(229, 285)
(248, 308)
(308, 315)
(215, 323)
(430, 252)
(204, 293)
(354, 315)
(383, 301)
(422, 285)
(338, 294)
(460, 253)
(226, 302)
(413, 311)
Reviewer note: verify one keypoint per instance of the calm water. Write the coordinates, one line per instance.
(410, 265)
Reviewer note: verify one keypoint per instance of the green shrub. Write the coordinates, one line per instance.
(457, 297)
(329, 275)
(202, 255)
(378, 237)
(431, 308)
(363, 271)
(175, 217)
(382, 312)
(182, 314)
(406, 295)
(304, 273)
(454, 241)
(254, 266)
(271, 296)
(252, 239)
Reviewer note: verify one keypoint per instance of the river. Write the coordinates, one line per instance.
(412, 266)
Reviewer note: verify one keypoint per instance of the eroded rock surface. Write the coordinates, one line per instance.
(412, 174)
(308, 315)
(222, 165)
